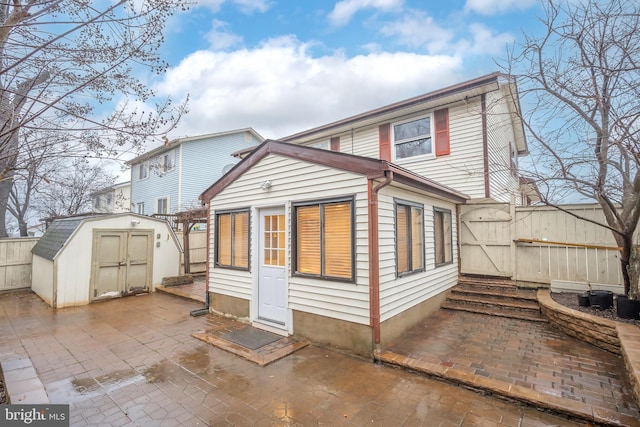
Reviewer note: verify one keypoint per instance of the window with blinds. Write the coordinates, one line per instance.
(232, 239)
(409, 238)
(324, 239)
(443, 236)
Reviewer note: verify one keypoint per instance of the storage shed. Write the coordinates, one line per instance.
(91, 258)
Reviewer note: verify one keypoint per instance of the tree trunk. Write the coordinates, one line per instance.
(5, 190)
(24, 230)
(632, 270)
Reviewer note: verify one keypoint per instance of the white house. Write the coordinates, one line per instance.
(346, 234)
(113, 199)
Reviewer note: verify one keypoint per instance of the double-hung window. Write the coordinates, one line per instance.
(143, 170)
(409, 237)
(162, 205)
(323, 239)
(168, 160)
(443, 237)
(232, 239)
(412, 138)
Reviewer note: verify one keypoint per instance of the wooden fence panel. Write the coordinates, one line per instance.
(15, 263)
(546, 244)
(485, 244)
(197, 251)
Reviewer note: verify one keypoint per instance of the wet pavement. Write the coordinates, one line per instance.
(133, 362)
(530, 361)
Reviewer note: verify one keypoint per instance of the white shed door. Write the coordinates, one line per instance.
(272, 285)
(121, 263)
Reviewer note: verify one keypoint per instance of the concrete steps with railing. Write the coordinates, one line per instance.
(494, 297)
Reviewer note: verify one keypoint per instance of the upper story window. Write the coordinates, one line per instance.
(140, 208)
(322, 144)
(143, 170)
(412, 138)
(168, 161)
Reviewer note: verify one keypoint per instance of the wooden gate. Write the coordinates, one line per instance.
(485, 239)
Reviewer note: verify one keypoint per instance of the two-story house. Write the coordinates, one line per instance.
(170, 178)
(347, 233)
(113, 199)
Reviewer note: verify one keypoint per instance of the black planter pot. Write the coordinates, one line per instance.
(601, 299)
(583, 300)
(627, 308)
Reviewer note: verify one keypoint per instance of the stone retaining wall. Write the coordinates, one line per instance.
(593, 329)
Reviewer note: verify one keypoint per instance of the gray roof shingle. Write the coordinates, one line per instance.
(53, 240)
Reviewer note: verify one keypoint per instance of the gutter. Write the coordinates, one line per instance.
(374, 253)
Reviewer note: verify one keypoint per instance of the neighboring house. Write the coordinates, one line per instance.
(169, 178)
(113, 199)
(349, 236)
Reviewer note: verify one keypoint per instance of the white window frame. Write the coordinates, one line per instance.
(431, 136)
(140, 208)
(171, 155)
(157, 201)
(144, 166)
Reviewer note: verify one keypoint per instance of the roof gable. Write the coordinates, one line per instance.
(367, 166)
(429, 101)
(170, 145)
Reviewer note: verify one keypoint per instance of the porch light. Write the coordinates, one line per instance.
(266, 185)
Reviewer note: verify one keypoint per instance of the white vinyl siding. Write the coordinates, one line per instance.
(462, 170)
(400, 294)
(500, 136)
(293, 181)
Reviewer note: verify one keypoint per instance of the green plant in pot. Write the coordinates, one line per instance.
(628, 305)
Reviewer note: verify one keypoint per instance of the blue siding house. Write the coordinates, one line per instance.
(169, 178)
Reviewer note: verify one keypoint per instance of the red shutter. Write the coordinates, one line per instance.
(385, 141)
(442, 132)
(334, 143)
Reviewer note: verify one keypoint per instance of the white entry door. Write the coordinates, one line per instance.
(272, 285)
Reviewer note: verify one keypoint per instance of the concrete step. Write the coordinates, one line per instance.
(500, 292)
(496, 303)
(495, 296)
(492, 311)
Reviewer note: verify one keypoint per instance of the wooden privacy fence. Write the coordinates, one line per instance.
(537, 244)
(15, 263)
(197, 251)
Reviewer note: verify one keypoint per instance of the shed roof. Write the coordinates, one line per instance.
(61, 231)
(53, 240)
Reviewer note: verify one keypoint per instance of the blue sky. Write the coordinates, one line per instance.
(285, 66)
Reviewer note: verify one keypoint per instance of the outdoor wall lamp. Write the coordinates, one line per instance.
(135, 222)
(266, 185)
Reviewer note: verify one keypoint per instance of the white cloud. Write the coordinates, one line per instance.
(245, 6)
(420, 30)
(344, 10)
(219, 38)
(278, 88)
(250, 6)
(486, 43)
(495, 7)
(417, 30)
(213, 5)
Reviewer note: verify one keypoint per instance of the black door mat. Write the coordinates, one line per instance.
(250, 337)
